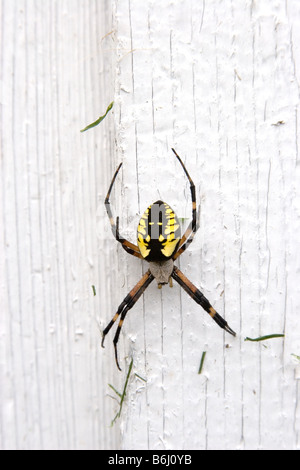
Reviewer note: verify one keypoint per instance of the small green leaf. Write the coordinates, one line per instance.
(99, 119)
(94, 290)
(263, 338)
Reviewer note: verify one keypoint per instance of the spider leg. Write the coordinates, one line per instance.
(187, 238)
(128, 246)
(188, 235)
(126, 305)
(196, 295)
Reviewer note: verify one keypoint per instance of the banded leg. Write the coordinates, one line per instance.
(126, 305)
(188, 235)
(128, 246)
(196, 295)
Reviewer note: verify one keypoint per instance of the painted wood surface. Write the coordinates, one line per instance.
(57, 76)
(219, 82)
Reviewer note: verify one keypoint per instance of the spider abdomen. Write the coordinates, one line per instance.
(158, 233)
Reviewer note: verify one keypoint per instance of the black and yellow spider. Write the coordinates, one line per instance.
(159, 242)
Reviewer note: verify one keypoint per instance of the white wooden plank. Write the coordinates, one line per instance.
(214, 80)
(57, 72)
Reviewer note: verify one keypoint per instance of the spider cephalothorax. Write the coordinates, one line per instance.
(159, 242)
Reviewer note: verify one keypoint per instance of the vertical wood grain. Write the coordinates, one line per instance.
(57, 72)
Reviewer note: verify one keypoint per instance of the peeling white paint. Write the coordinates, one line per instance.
(214, 80)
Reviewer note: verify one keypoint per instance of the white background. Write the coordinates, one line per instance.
(219, 81)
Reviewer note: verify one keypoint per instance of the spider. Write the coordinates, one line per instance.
(160, 243)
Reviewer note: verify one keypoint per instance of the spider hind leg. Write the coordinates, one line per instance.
(126, 305)
(196, 295)
(220, 321)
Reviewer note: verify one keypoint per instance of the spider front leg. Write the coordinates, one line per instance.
(126, 305)
(128, 246)
(189, 234)
(196, 295)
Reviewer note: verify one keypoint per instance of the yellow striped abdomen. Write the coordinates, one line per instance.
(158, 232)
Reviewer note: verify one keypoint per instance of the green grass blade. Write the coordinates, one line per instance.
(295, 355)
(139, 377)
(116, 391)
(100, 119)
(263, 338)
(126, 383)
(122, 396)
(202, 362)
